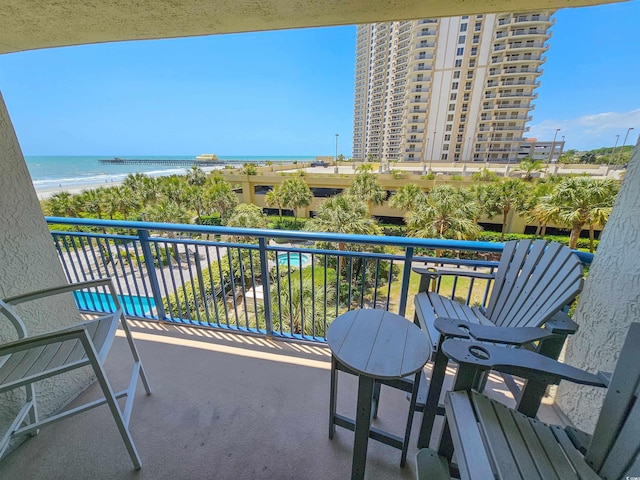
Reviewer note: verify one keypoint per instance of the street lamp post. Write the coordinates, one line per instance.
(335, 170)
(623, 144)
(613, 153)
(553, 145)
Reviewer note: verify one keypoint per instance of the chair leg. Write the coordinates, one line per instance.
(412, 409)
(112, 402)
(33, 411)
(332, 397)
(134, 352)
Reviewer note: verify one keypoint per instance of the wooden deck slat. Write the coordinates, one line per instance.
(561, 285)
(521, 271)
(554, 452)
(379, 361)
(497, 443)
(473, 461)
(583, 470)
(533, 274)
(505, 259)
(522, 454)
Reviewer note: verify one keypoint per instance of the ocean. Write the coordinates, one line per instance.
(73, 172)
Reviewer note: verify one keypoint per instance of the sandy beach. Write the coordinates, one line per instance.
(45, 193)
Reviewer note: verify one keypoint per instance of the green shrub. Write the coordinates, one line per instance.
(211, 220)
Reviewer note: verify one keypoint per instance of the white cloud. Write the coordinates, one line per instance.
(591, 131)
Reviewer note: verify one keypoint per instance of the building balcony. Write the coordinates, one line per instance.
(514, 106)
(421, 57)
(525, 46)
(517, 95)
(424, 45)
(526, 21)
(231, 398)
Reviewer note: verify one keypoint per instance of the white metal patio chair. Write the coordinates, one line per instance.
(33, 358)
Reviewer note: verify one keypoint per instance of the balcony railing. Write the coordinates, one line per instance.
(245, 280)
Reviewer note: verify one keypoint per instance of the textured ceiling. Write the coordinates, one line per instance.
(33, 24)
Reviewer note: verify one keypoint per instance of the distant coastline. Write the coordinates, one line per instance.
(74, 173)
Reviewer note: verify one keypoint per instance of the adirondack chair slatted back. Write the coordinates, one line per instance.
(614, 452)
(535, 279)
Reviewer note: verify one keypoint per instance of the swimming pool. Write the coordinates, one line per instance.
(293, 259)
(101, 302)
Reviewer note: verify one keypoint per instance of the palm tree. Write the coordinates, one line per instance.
(294, 302)
(109, 201)
(91, 201)
(134, 181)
(165, 211)
(529, 167)
(534, 210)
(295, 194)
(448, 212)
(174, 189)
(273, 198)
(125, 200)
(196, 176)
(198, 201)
(150, 189)
(222, 197)
(344, 214)
(366, 187)
(247, 215)
(503, 197)
(62, 204)
(407, 197)
(579, 201)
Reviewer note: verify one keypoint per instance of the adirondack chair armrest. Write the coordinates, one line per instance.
(561, 324)
(516, 361)
(460, 272)
(47, 292)
(456, 328)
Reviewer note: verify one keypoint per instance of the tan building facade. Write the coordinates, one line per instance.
(448, 89)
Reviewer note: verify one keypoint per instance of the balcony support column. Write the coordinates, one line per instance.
(609, 302)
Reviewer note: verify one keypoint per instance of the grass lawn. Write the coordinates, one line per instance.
(446, 286)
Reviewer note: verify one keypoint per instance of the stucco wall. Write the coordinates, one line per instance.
(609, 302)
(28, 261)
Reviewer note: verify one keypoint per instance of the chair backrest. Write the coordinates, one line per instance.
(614, 451)
(535, 280)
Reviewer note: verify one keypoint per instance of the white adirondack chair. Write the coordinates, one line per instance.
(33, 358)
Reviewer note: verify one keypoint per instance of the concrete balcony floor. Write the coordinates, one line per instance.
(224, 406)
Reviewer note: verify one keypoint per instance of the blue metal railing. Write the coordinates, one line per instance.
(243, 279)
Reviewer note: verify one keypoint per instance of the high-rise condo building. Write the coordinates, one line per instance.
(448, 89)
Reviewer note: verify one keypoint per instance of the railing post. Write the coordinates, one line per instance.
(406, 275)
(143, 235)
(266, 285)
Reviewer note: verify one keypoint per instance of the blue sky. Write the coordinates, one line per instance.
(286, 92)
